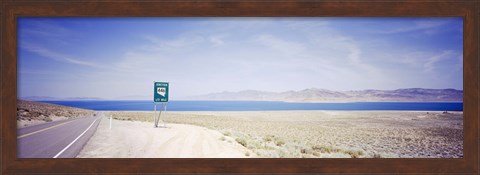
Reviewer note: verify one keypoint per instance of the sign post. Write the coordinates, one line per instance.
(160, 95)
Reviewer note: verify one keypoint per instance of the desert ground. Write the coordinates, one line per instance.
(276, 134)
(135, 139)
(33, 113)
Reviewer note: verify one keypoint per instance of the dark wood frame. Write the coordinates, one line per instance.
(10, 10)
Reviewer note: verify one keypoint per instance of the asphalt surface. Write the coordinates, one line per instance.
(59, 139)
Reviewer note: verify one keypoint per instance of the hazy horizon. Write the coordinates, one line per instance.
(148, 97)
(110, 58)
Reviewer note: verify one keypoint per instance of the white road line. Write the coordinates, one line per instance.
(58, 154)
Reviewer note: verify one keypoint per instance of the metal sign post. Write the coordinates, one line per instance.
(154, 114)
(156, 118)
(160, 95)
(164, 121)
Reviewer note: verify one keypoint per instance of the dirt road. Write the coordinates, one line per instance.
(132, 139)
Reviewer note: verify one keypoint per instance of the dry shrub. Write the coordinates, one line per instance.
(325, 149)
(47, 119)
(242, 142)
(279, 142)
(268, 138)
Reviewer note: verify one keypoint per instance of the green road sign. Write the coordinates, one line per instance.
(160, 91)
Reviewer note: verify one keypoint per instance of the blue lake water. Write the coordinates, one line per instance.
(260, 105)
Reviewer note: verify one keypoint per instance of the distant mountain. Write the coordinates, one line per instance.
(38, 98)
(324, 95)
(47, 98)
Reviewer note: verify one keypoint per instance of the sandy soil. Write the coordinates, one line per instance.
(322, 134)
(134, 139)
(31, 113)
(31, 122)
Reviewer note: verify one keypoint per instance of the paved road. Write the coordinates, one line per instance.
(60, 139)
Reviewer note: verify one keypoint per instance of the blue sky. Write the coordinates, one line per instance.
(119, 58)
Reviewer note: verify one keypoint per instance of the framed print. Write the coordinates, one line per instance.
(240, 87)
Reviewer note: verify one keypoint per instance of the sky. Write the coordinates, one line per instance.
(120, 58)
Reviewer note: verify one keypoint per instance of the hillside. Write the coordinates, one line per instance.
(30, 113)
(324, 95)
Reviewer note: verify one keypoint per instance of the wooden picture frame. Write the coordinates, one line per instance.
(11, 10)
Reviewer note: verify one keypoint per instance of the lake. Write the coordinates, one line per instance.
(259, 105)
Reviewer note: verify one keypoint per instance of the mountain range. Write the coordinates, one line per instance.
(309, 95)
(324, 95)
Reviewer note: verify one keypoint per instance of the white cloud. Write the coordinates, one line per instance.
(158, 44)
(355, 58)
(260, 60)
(45, 30)
(431, 62)
(217, 40)
(279, 45)
(428, 27)
(58, 56)
(428, 61)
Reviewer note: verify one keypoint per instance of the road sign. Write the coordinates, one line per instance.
(160, 91)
